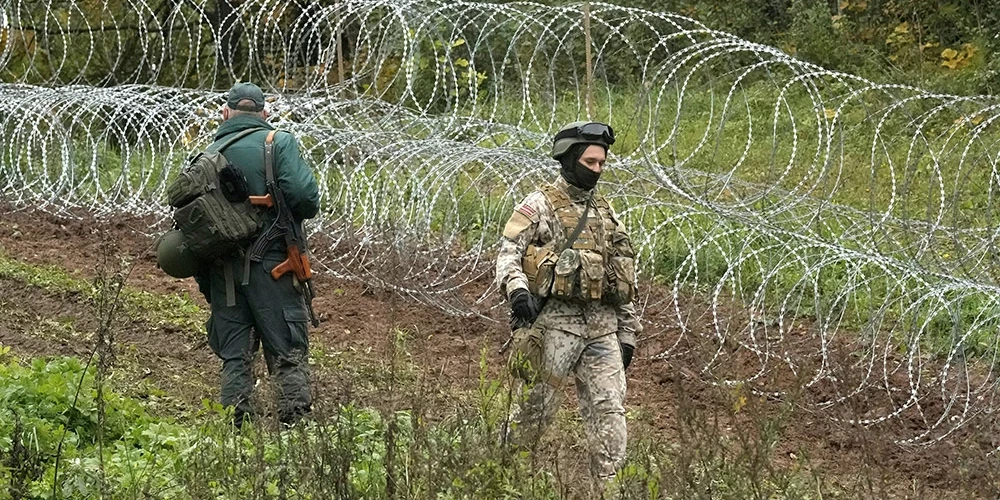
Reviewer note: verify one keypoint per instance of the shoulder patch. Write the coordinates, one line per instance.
(527, 211)
(517, 223)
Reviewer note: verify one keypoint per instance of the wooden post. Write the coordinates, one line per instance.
(590, 62)
(340, 48)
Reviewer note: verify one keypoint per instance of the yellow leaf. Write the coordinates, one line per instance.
(949, 54)
(950, 63)
(740, 402)
(860, 6)
(458, 43)
(976, 120)
(461, 62)
(968, 49)
(830, 113)
(844, 4)
(904, 27)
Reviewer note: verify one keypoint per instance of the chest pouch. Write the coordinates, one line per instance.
(591, 275)
(566, 277)
(539, 265)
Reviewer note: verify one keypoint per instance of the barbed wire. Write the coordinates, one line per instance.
(814, 231)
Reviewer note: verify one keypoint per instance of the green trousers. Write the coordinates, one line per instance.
(266, 312)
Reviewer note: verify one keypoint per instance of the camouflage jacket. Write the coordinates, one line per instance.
(535, 223)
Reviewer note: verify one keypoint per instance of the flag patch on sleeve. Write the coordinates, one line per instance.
(527, 210)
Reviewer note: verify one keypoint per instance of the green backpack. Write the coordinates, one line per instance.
(212, 205)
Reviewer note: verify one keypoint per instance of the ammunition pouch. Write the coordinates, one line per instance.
(621, 287)
(565, 283)
(525, 361)
(578, 275)
(591, 275)
(538, 264)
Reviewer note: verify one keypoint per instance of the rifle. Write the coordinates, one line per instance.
(297, 261)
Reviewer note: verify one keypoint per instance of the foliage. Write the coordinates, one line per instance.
(48, 416)
(176, 310)
(946, 46)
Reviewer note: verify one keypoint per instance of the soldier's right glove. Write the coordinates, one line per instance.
(627, 352)
(523, 309)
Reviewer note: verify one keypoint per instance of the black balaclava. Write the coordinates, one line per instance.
(576, 173)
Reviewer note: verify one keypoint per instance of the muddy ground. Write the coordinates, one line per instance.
(357, 328)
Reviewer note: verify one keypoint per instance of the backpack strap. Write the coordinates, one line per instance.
(239, 135)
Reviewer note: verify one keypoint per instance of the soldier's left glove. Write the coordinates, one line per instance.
(627, 352)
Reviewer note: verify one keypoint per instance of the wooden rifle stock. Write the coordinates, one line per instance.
(262, 201)
(297, 263)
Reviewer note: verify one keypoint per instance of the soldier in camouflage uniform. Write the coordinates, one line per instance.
(567, 267)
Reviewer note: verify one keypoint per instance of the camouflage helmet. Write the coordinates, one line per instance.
(173, 256)
(581, 133)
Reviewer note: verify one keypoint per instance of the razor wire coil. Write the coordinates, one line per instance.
(789, 219)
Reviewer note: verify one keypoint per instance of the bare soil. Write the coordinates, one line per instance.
(357, 325)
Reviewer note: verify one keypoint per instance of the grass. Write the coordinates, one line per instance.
(176, 310)
(405, 434)
(347, 451)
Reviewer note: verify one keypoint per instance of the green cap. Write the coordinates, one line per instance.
(244, 91)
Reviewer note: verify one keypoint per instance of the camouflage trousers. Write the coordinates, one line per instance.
(596, 364)
(268, 313)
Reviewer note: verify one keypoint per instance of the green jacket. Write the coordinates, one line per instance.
(295, 178)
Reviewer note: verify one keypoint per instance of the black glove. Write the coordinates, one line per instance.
(523, 309)
(627, 351)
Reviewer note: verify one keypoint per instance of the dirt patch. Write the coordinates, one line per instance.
(363, 321)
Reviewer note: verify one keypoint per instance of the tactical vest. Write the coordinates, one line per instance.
(597, 265)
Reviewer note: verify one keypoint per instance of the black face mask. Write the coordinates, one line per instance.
(576, 173)
(583, 177)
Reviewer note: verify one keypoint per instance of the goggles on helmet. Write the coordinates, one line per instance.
(593, 131)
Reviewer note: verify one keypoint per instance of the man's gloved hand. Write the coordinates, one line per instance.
(627, 352)
(523, 309)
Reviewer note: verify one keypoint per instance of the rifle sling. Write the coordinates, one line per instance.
(227, 267)
(263, 239)
(579, 226)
